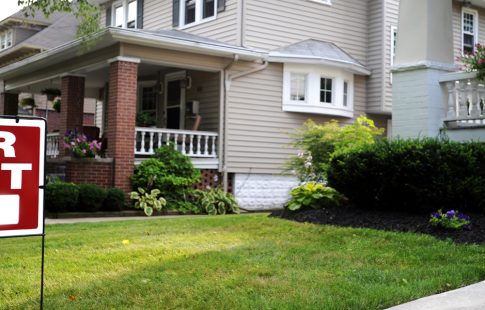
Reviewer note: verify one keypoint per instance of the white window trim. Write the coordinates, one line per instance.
(475, 26)
(6, 35)
(326, 2)
(393, 50)
(312, 102)
(124, 4)
(198, 15)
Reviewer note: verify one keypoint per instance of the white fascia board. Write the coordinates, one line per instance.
(357, 69)
(185, 45)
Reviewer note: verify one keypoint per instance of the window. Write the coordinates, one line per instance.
(469, 30)
(318, 89)
(298, 87)
(6, 39)
(195, 11)
(393, 44)
(325, 90)
(124, 14)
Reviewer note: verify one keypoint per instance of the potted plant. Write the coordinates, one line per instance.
(27, 102)
(145, 119)
(56, 105)
(51, 93)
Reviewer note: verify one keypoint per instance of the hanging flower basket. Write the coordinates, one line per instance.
(51, 93)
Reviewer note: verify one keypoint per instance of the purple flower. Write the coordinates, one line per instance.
(450, 214)
(436, 215)
(463, 216)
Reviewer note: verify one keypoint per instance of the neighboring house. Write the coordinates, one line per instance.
(22, 37)
(430, 95)
(250, 71)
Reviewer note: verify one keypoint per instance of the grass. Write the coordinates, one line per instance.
(231, 262)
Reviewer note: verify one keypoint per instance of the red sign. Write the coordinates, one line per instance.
(22, 146)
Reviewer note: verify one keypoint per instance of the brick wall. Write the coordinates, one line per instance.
(54, 119)
(121, 120)
(8, 104)
(71, 115)
(90, 170)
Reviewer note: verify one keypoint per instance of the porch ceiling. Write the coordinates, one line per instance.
(478, 3)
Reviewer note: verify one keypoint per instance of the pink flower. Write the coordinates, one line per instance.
(480, 61)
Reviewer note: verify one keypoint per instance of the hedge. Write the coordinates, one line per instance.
(415, 175)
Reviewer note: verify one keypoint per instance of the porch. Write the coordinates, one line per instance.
(200, 146)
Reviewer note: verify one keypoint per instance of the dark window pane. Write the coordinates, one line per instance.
(328, 84)
(322, 83)
(322, 96)
(328, 97)
(208, 8)
(189, 11)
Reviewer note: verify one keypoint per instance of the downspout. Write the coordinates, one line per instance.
(227, 85)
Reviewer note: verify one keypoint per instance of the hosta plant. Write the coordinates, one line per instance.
(216, 201)
(313, 195)
(148, 201)
(450, 220)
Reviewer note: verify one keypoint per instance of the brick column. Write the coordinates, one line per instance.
(72, 106)
(9, 104)
(120, 131)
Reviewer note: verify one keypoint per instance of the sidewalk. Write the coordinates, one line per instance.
(49, 221)
(470, 297)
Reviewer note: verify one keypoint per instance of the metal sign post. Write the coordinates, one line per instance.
(22, 180)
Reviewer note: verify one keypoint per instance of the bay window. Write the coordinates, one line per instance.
(317, 89)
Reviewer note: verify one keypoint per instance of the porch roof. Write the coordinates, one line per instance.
(168, 39)
(318, 52)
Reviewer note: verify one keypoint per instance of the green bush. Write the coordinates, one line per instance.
(318, 143)
(216, 201)
(172, 173)
(90, 198)
(313, 195)
(61, 197)
(424, 175)
(114, 201)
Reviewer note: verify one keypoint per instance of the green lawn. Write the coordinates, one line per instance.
(230, 262)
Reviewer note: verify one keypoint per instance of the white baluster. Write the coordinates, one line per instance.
(475, 101)
(206, 145)
(175, 136)
(214, 150)
(136, 133)
(462, 101)
(451, 99)
(184, 151)
(191, 145)
(167, 136)
(159, 140)
(150, 149)
(198, 144)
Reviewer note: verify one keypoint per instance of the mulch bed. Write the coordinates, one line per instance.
(385, 220)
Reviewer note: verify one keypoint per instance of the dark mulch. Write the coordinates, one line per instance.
(385, 220)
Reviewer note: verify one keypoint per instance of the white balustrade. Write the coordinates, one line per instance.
(191, 143)
(52, 145)
(465, 99)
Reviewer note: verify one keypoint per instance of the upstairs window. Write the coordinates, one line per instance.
(124, 14)
(6, 40)
(469, 30)
(196, 11)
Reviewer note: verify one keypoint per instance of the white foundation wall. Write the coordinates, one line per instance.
(262, 191)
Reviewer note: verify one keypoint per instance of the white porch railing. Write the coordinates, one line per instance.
(195, 144)
(465, 100)
(52, 145)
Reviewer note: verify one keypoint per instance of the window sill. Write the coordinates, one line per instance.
(302, 107)
(194, 24)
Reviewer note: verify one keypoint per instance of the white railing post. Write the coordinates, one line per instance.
(474, 101)
(462, 102)
(451, 86)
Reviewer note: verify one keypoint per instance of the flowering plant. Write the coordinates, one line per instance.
(451, 220)
(475, 61)
(79, 145)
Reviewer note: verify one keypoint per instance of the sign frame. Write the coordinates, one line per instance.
(40, 123)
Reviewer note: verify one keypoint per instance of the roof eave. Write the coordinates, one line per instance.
(350, 66)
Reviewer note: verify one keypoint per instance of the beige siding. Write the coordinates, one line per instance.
(392, 14)
(205, 89)
(272, 24)
(257, 128)
(375, 27)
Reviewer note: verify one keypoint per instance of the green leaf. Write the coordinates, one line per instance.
(148, 211)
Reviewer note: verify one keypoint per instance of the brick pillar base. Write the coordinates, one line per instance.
(121, 119)
(72, 106)
(9, 104)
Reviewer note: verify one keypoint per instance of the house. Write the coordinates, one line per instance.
(431, 96)
(250, 72)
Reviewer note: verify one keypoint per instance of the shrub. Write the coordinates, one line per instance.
(320, 142)
(216, 201)
(450, 220)
(90, 198)
(61, 196)
(114, 201)
(313, 195)
(418, 174)
(171, 172)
